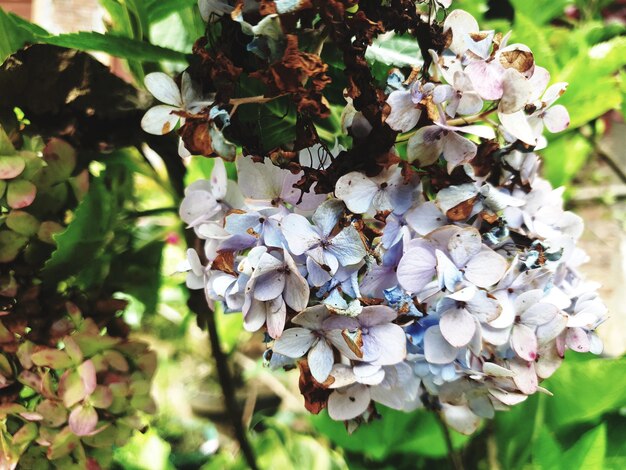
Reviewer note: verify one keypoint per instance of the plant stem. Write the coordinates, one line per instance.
(470, 119)
(226, 383)
(455, 459)
(153, 212)
(492, 448)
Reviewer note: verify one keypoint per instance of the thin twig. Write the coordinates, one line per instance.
(200, 305)
(236, 102)
(612, 164)
(470, 119)
(455, 458)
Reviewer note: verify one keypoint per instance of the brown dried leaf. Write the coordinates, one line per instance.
(461, 211)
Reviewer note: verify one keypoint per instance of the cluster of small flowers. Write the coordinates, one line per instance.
(71, 402)
(451, 275)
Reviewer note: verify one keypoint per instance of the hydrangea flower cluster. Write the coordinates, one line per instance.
(448, 274)
(84, 394)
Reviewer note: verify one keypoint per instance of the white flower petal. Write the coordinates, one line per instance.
(348, 403)
(159, 120)
(524, 342)
(299, 233)
(460, 418)
(425, 218)
(164, 88)
(517, 125)
(404, 112)
(485, 269)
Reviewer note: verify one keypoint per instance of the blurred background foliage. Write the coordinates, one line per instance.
(582, 42)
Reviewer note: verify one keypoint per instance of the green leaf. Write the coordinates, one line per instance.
(588, 453)
(22, 223)
(399, 51)
(546, 450)
(541, 11)
(10, 245)
(145, 452)
(585, 390)
(527, 31)
(117, 46)
(564, 157)
(15, 33)
(416, 433)
(12, 36)
(80, 245)
(593, 89)
(160, 9)
(138, 273)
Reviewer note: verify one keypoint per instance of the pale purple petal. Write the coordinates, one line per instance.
(457, 326)
(539, 314)
(348, 247)
(312, 318)
(457, 150)
(316, 274)
(376, 315)
(525, 376)
(327, 215)
(357, 191)
(391, 341)
(486, 78)
(461, 23)
(464, 245)
(254, 315)
(469, 103)
(556, 118)
(516, 92)
(416, 269)
(296, 292)
(460, 418)
(577, 340)
(275, 317)
(321, 360)
(436, 349)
